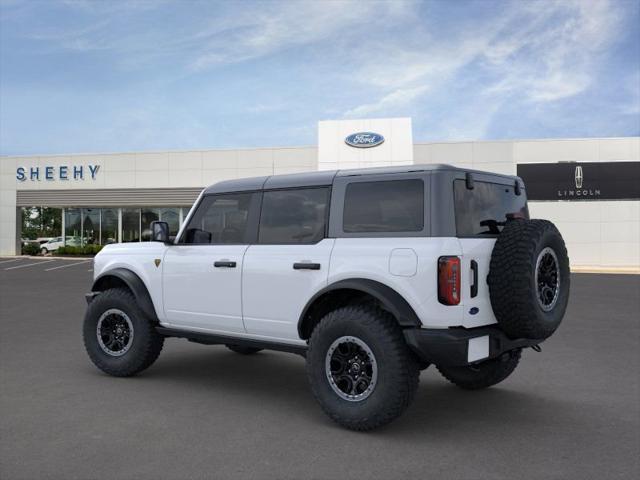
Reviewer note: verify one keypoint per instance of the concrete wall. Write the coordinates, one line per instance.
(197, 168)
(598, 233)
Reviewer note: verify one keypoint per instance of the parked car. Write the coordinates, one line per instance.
(52, 245)
(370, 274)
(55, 243)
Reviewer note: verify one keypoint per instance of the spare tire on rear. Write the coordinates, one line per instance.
(529, 278)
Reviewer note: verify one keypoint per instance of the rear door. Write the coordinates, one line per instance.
(202, 274)
(289, 263)
(481, 212)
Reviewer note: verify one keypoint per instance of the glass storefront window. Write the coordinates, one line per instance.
(109, 226)
(130, 224)
(148, 215)
(72, 227)
(172, 217)
(90, 226)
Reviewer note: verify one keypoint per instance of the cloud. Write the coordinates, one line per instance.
(286, 25)
(526, 52)
(396, 99)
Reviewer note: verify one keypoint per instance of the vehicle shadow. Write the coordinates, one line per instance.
(279, 380)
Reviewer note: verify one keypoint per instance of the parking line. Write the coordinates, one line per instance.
(9, 261)
(65, 266)
(30, 264)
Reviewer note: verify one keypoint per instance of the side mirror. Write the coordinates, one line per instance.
(160, 232)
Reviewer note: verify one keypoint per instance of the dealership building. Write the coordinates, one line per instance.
(589, 187)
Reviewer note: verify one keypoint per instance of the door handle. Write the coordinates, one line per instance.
(474, 271)
(224, 263)
(306, 266)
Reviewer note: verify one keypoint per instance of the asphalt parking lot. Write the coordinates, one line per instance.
(572, 411)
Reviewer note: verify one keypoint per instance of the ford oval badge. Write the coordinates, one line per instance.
(364, 139)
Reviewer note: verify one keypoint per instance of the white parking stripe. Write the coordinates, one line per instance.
(9, 261)
(30, 264)
(65, 266)
(90, 270)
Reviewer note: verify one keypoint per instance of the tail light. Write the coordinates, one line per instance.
(449, 280)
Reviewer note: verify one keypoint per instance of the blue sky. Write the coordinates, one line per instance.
(92, 76)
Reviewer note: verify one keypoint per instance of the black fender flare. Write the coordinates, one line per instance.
(135, 284)
(387, 296)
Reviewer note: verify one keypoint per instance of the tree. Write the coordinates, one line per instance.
(41, 222)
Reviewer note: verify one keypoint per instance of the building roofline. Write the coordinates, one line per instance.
(294, 147)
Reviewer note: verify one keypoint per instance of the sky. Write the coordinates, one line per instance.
(82, 76)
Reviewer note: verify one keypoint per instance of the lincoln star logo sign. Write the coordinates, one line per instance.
(579, 177)
(364, 139)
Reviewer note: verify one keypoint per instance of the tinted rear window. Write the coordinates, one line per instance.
(385, 206)
(483, 210)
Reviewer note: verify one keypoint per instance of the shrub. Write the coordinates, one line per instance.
(84, 250)
(31, 249)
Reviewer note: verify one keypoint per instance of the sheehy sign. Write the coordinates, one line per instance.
(60, 172)
(581, 180)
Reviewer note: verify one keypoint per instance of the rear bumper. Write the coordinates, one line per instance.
(461, 346)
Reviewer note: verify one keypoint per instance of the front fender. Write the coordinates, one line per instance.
(133, 282)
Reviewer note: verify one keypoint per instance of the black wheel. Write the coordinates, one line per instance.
(242, 349)
(44, 251)
(529, 279)
(482, 375)
(118, 337)
(360, 369)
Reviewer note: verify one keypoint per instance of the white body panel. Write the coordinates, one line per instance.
(139, 257)
(264, 296)
(199, 295)
(376, 259)
(273, 293)
(478, 249)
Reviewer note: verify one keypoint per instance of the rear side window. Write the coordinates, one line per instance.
(384, 206)
(293, 216)
(483, 210)
(220, 219)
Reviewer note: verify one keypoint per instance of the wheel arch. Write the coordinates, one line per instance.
(355, 289)
(123, 277)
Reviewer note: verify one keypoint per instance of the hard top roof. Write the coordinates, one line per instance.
(326, 177)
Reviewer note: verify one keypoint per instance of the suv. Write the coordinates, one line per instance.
(371, 274)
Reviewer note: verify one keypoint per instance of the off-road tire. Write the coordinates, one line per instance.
(482, 375)
(243, 350)
(398, 369)
(512, 279)
(145, 346)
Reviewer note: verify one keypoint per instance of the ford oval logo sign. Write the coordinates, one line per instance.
(364, 139)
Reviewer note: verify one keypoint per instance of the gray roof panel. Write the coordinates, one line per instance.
(236, 185)
(306, 179)
(319, 178)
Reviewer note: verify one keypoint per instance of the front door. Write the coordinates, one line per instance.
(202, 273)
(289, 263)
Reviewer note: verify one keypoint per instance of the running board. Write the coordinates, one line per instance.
(214, 339)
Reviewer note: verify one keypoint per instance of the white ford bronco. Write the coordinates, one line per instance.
(371, 275)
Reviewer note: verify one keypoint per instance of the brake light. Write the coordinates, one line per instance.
(449, 280)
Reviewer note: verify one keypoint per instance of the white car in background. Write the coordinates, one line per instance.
(52, 245)
(56, 242)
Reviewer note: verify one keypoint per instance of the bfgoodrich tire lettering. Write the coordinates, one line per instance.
(145, 345)
(529, 279)
(397, 369)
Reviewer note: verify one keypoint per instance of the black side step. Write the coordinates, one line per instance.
(214, 339)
